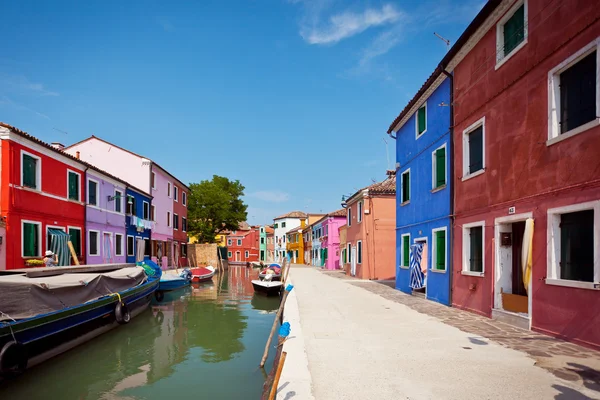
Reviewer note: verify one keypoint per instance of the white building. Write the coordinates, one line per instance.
(282, 225)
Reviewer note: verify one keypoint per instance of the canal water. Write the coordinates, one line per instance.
(203, 342)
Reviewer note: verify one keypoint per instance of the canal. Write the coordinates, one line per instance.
(203, 342)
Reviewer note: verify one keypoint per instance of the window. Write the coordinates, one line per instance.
(349, 216)
(118, 244)
(473, 250)
(228, 254)
(511, 32)
(147, 248)
(75, 237)
(246, 254)
(262, 240)
(92, 192)
(574, 85)
(175, 193)
(184, 224)
(439, 249)
(359, 212)
(183, 198)
(297, 255)
(168, 218)
(152, 213)
(130, 205)
(344, 256)
(276, 226)
(183, 249)
(573, 251)
(175, 221)
(405, 185)
(229, 242)
(130, 246)
(169, 189)
(359, 252)
(31, 175)
(50, 228)
(73, 185)
(146, 210)
(153, 180)
(31, 238)
(262, 230)
(473, 149)
(349, 252)
(283, 224)
(93, 243)
(438, 167)
(239, 242)
(405, 251)
(421, 122)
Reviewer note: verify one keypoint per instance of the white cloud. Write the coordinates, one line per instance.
(347, 24)
(20, 83)
(274, 196)
(9, 102)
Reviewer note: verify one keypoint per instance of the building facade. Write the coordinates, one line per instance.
(138, 224)
(342, 247)
(318, 257)
(262, 255)
(295, 244)
(423, 193)
(282, 225)
(243, 245)
(330, 243)
(370, 232)
(180, 237)
(270, 233)
(307, 238)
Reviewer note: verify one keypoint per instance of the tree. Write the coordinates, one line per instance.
(215, 206)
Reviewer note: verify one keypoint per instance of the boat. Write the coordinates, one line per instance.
(202, 274)
(268, 288)
(273, 269)
(170, 280)
(47, 311)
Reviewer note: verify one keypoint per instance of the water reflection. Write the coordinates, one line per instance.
(181, 347)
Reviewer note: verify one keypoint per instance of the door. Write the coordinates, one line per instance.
(353, 261)
(107, 253)
(237, 256)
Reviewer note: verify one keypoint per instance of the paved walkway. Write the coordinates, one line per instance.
(364, 340)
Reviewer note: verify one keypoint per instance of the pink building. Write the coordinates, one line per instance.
(330, 241)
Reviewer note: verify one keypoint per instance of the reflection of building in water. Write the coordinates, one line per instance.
(205, 291)
(240, 282)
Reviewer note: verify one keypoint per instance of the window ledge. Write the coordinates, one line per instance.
(403, 267)
(471, 273)
(438, 189)
(473, 175)
(439, 271)
(514, 51)
(573, 132)
(407, 202)
(573, 284)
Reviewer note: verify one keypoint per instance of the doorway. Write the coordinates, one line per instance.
(510, 292)
(353, 261)
(237, 256)
(418, 265)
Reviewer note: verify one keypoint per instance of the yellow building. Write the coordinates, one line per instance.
(295, 244)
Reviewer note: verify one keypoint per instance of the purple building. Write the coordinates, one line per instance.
(330, 242)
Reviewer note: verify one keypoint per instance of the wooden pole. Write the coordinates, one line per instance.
(73, 254)
(274, 328)
(277, 376)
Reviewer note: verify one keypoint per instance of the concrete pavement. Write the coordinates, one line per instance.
(359, 345)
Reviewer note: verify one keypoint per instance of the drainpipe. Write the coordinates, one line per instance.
(451, 153)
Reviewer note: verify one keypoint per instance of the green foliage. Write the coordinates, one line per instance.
(215, 206)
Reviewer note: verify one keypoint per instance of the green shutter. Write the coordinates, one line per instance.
(440, 167)
(29, 171)
(421, 120)
(440, 250)
(476, 150)
(76, 240)
(405, 251)
(73, 186)
(476, 254)
(359, 253)
(514, 30)
(30, 240)
(344, 256)
(405, 187)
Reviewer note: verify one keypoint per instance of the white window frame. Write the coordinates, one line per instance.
(118, 238)
(466, 249)
(153, 180)
(175, 217)
(417, 136)
(229, 242)
(80, 238)
(434, 169)
(402, 201)
(349, 251)
(554, 135)
(169, 219)
(127, 246)
(89, 248)
(38, 171)
(144, 204)
(70, 171)
(359, 211)
(246, 254)
(466, 132)
(87, 192)
(553, 260)
(118, 199)
(502, 58)
(239, 242)
(229, 254)
(434, 250)
(175, 193)
(183, 198)
(359, 259)
(349, 216)
(182, 225)
(62, 228)
(39, 224)
(169, 189)
(402, 250)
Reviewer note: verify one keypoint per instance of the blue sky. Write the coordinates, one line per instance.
(291, 97)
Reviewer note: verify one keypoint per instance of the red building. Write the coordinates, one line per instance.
(243, 245)
(526, 132)
(41, 189)
(180, 238)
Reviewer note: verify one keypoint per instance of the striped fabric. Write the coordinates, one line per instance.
(108, 254)
(140, 247)
(417, 278)
(59, 246)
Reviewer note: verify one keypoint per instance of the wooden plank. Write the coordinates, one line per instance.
(73, 254)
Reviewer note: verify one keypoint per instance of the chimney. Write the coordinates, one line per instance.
(390, 172)
(77, 155)
(57, 145)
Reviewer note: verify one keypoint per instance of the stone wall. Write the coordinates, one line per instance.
(203, 254)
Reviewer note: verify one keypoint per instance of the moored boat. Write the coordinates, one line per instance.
(170, 280)
(48, 311)
(268, 288)
(202, 274)
(273, 269)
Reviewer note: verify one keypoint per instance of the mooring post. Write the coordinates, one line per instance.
(277, 376)
(288, 289)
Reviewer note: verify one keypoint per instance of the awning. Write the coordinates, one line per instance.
(59, 246)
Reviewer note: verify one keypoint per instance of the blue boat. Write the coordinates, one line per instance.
(47, 311)
(172, 281)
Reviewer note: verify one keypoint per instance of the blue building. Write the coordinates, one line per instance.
(139, 217)
(423, 191)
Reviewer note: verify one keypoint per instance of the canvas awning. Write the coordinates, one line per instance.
(59, 246)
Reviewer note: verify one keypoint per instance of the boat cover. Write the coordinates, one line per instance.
(22, 297)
